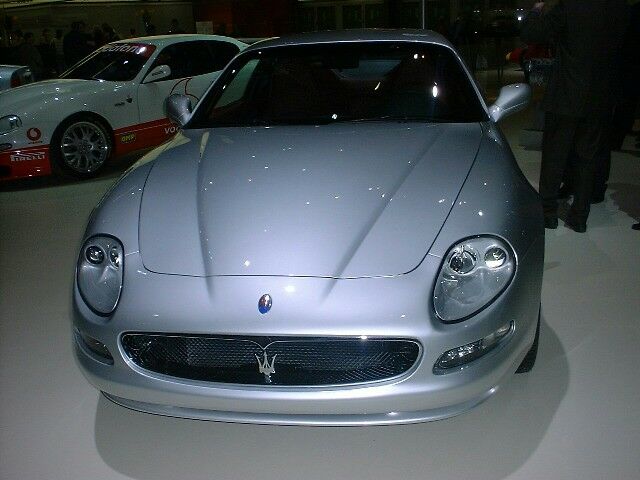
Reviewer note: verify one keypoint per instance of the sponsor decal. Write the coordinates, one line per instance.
(136, 48)
(28, 157)
(34, 134)
(148, 134)
(128, 137)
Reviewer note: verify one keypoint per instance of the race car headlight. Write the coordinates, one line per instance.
(9, 122)
(474, 272)
(100, 273)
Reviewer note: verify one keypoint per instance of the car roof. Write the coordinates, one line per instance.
(164, 40)
(359, 35)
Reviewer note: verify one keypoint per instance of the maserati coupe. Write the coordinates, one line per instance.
(338, 235)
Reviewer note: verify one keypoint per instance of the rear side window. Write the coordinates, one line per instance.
(222, 53)
(190, 59)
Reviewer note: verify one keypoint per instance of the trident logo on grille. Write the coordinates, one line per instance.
(265, 367)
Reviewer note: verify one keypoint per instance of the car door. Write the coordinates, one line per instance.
(194, 65)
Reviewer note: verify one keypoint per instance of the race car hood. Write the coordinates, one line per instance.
(341, 200)
(21, 99)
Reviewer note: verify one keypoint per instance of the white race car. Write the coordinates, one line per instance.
(108, 104)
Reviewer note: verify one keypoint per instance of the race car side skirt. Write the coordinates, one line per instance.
(25, 162)
(143, 135)
(36, 161)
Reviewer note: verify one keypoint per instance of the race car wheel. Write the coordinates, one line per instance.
(83, 147)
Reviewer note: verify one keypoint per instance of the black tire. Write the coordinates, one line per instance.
(530, 358)
(91, 134)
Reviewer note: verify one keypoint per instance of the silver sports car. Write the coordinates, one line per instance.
(340, 235)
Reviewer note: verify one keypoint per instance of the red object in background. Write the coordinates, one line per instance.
(530, 51)
(252, 18)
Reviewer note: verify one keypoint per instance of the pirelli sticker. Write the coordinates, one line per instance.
(127, 138)
(28, 157)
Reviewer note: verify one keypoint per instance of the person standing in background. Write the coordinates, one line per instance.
(110, 34)
(30, 56)
(98, 38)
(630, 78)
(175, 27)
(57, 46)
(579, 98)
(76, 44)
(629, 107)
(48, 54)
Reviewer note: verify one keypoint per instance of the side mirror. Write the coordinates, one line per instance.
(179, 109)
(512, 98)
(157, 73)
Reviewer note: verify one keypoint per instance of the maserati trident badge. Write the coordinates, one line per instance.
(265, 367)
(264, 304)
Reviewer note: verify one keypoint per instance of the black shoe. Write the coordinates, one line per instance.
(575, 225)
(551, 222)
(636, 226)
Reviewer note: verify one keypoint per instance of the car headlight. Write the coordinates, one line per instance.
(100, 273)
(474, 272)
(9, 122)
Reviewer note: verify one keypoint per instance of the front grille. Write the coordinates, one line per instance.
(294, 361)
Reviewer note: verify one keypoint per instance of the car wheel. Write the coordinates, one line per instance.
(530, 358)
(81, 147)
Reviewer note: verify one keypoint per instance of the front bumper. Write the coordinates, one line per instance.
(376, 307)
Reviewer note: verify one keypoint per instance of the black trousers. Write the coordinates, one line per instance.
(562, 136)
(602, 169)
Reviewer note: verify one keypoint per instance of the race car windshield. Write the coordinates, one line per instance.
(111, 63)
(348, 82)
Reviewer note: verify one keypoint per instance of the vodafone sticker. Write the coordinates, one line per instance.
(34, 134)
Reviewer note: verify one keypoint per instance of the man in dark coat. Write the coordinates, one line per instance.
(76, 44)
(580, 95)
(29, 55)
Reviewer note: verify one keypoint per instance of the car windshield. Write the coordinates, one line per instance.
(347, 82)
(113, 62)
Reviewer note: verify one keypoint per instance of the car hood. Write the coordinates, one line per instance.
(340, 201)
(16, 99)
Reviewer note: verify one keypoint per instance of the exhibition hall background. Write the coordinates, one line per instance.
(483, 30)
